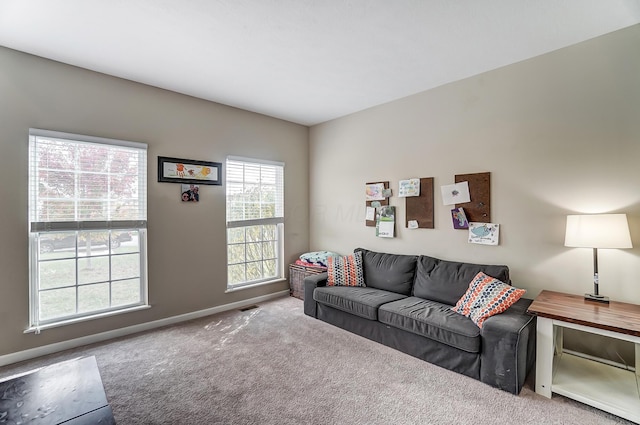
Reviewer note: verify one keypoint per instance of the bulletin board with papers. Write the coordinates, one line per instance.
(420, 208)
(479, 208)
(373, 197)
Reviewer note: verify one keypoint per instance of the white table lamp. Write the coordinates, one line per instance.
(597, 231)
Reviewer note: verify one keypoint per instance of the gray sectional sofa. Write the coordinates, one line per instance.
(406, 305)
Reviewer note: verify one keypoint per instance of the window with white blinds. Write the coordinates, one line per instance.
(88, 220)
(255, 221)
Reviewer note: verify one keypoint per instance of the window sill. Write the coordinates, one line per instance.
(38, 329)
(253, 285)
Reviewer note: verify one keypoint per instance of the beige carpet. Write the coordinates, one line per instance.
(274, 365)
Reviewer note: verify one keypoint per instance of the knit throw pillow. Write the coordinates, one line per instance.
(345, 271)
(486, 297)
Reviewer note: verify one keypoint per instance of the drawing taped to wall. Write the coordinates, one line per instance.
(409, 187)
(457, 193)
(385, 221)
(484, 233)
(459, 218)
(373, 191)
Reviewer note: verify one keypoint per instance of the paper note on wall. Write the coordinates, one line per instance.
(370, 214)
(459, 218)
(385, 222)
(385, 229)
(484, 233)
(410, 187)
(455, 193)
(374, 191)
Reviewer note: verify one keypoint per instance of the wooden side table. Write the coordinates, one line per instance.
(598, 384)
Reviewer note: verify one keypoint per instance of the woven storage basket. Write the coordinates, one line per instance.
(297, 274)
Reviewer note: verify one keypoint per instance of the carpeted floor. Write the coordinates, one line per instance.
(274, 365)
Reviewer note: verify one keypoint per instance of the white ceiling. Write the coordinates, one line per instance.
(306, 61)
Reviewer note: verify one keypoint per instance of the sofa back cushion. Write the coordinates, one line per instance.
(390, 272)
(447, 281)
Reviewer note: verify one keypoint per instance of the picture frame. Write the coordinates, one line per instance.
(190, 192)
(189, 171)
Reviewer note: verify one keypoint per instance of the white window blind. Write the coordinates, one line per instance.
(86, 183)
(255, 190)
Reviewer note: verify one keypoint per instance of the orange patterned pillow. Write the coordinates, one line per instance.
(345, 271)
(486, 297)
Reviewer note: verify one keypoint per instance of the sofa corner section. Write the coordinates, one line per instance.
(310, 284)
(508, 348)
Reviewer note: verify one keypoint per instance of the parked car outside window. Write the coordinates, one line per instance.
(66, 241)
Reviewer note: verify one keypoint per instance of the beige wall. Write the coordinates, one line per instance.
(559, 133)
(186, 243)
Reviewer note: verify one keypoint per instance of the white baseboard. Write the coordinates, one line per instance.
(116, 333)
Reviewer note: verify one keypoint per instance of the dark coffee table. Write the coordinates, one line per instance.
(69, 393)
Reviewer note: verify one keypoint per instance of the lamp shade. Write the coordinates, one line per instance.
(598, 231)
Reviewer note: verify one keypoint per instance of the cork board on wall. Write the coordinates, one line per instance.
(385, 201)
(420, 208)
(479, 208)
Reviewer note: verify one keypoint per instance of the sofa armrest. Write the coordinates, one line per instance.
(310, 284)
(508, 347)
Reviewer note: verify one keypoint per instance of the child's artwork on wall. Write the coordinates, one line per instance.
(457, 193)
(410, 187)
(374, 191)
(190, 192)
(459, 218)
(484, 233)
(385, 222)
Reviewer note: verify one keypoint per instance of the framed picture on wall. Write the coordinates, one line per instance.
(190, 193)
(189, 171)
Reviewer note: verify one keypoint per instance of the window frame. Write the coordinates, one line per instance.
(37, 229)
(278, 221)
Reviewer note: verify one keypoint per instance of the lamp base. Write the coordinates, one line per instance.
(596, 297)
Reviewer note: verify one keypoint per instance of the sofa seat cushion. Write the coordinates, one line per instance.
(361, 301)
(433, 320)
